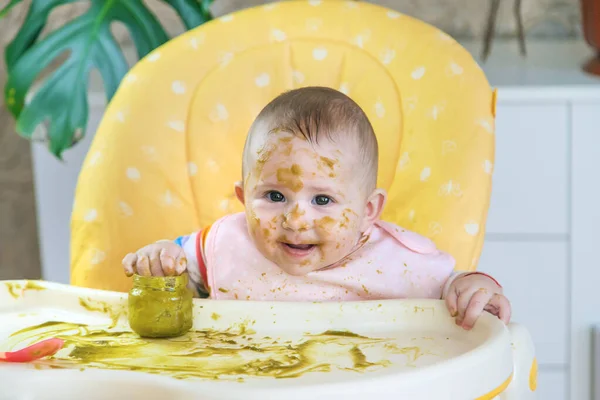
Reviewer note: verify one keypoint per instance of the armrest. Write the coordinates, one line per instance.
(524, 383)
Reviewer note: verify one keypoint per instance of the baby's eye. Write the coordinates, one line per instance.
(275, 197)
(322, 200)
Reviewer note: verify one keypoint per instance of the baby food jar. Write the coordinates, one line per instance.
(160, 306)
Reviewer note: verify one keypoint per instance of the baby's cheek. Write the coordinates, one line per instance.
(254, 222)
(266, 230)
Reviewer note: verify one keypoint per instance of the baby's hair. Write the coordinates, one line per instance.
(316, 112)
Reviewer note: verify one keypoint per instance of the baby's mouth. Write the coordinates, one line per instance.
(298, 250)
(299, 246)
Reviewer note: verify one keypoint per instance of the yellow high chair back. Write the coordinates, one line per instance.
(168, 151)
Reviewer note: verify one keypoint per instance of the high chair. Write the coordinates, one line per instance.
(168, 150)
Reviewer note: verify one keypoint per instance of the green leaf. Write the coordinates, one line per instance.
(61, 100)
(191, 12)
(7, 7)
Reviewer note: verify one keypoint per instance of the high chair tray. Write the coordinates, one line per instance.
(408, 349)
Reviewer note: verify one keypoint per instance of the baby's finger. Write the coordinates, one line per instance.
(168, 262)
(451, 299)
(479, 300)
(143, 265)
(503, 306)
(155, 266)
(129, 263)
(463, 302)
(180, 264)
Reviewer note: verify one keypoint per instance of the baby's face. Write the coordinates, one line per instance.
(305, 203)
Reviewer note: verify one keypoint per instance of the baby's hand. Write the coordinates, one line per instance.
(158, 259)
(470, 295)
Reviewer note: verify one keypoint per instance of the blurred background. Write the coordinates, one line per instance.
(542, 226)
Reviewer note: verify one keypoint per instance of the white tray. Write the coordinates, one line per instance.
(409, 349)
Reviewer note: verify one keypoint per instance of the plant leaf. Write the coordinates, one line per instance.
(7, 7)
(192, 13)
(61, 101)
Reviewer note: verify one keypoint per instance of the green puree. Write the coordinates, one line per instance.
(160, 306)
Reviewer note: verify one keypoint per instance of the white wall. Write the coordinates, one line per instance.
(55, 183)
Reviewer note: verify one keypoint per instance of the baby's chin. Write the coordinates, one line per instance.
(296, 269)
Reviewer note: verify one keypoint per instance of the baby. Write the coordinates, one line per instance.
(312, 230)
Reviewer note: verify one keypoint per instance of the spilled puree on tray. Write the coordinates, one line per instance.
(234, 354)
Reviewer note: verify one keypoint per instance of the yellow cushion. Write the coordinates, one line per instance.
(168, 151)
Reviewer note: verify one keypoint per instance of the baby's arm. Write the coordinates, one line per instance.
(193, 248)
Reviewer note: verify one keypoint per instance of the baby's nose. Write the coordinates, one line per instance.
(295, 219)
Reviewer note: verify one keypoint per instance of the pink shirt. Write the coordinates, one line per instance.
(393, 263)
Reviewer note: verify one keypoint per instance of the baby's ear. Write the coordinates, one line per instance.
(374, 208)
(239, 191)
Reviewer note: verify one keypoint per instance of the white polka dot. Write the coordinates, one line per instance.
(472, 228)
(262, 80)
(224, 205)
(97, 256)
(418, 73)
(411, 103)
(485, 124)
(320, 53)
(345, 88)
(270, 6)
(435, 112)
(387, 56)
(379, 109)
(192, 168)
(314, 3)
(411, 215)
(456, 69)
(120, 116)
(298, 76)
(95, 158)
(130, 78)
(178, 126)
(353, 5)
(225, 58)
(154, 56)
(197, 41)
(178, 87)
(212, 166)
(425, 174)
(404, 161)
(133, 174)
(393, 14)
(313, 24)
(219, 113)
(435, 228)
(226, 18)
(488, 167)
(278, 35)
(359, 41)
(125, 209)
(450, 188)
(150, 152)
(91, 215)
(448, 146)
(168, 199)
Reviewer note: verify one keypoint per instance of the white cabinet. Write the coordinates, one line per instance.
(530, 173)
(552, 385)
(585, 234)
(543, 232)
(534, 276)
